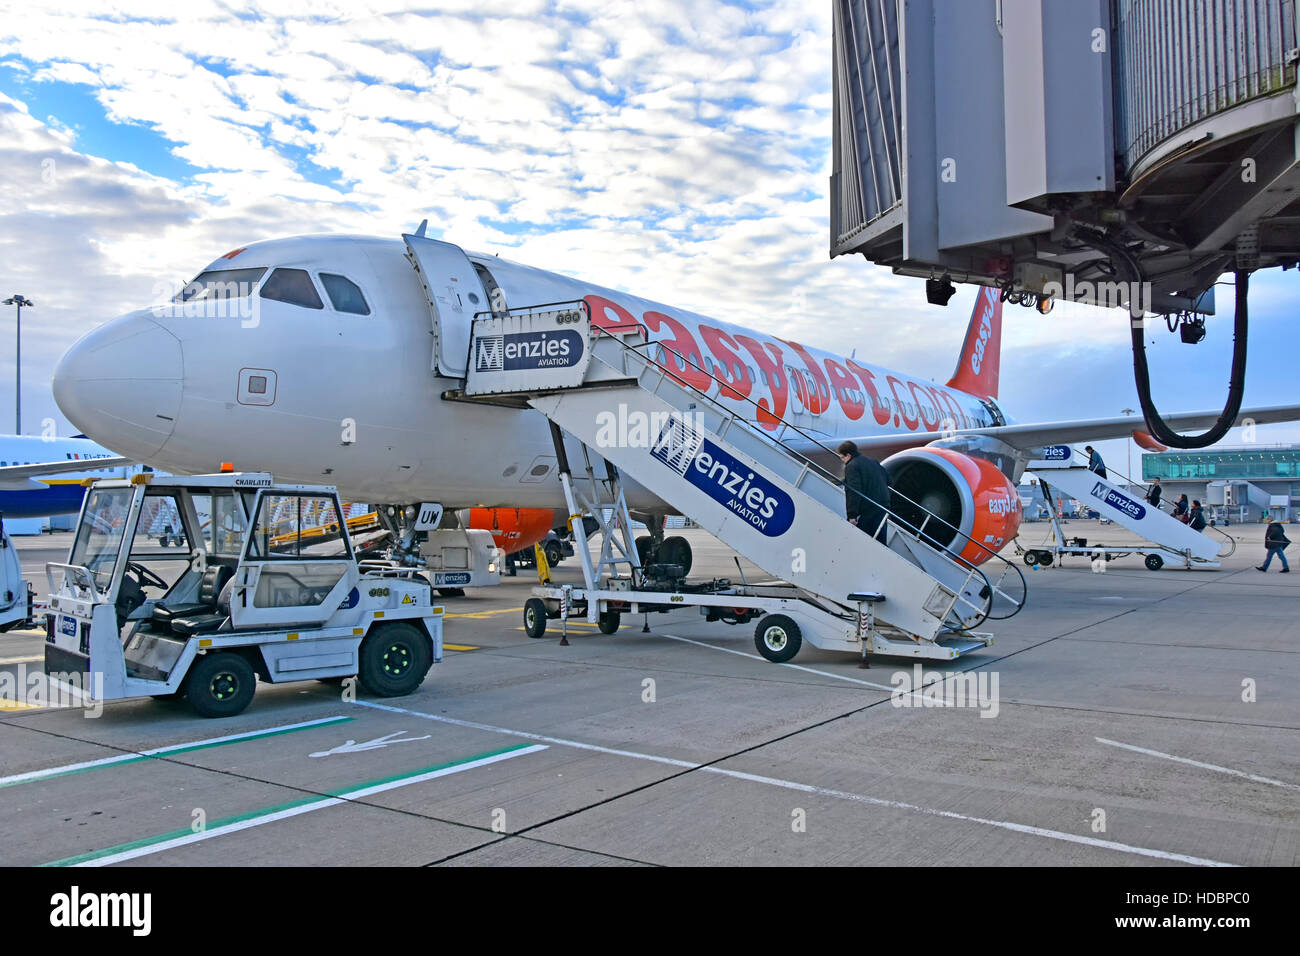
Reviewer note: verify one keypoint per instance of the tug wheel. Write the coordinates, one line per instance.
(220, 685)
(778, 638)
(394, 659)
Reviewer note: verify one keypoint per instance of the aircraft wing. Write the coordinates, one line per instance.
(1035, 434)
(22, 477)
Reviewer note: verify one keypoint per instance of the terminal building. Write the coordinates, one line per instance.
(1235, 484)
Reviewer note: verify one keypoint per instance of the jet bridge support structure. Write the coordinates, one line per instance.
(839, 588)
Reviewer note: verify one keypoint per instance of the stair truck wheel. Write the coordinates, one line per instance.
(1154, 562)
(220, 685)
(1031, 558)
(676, 550)
(394, 659)
(778, 638)
(535, 617)
(1045, 558)
(609, 622)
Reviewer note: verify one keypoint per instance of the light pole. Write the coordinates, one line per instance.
(19, 301)
(1128, 449)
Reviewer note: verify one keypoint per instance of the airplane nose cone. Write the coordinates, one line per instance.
(121, 384)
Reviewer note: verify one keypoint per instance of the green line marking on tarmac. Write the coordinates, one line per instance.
(124, 759)
(183, 837)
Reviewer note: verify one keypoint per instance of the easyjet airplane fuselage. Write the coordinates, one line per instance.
(311, 391)
(327, 359)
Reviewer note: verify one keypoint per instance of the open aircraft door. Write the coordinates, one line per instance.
(455, 294)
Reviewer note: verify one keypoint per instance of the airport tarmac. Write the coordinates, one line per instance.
(1140, 719)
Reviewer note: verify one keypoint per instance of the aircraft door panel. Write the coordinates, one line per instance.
(455, 293)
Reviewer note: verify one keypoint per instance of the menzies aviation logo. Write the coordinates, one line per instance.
(528, 350)
(1122, 502)
(724, 478)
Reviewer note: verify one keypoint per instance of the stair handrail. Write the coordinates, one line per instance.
(893, 518)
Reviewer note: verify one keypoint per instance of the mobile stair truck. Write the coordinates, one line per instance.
(267, 588)
(1171, 541)
(840, 588)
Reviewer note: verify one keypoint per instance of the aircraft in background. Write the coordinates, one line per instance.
(337, 358)
(28, 464)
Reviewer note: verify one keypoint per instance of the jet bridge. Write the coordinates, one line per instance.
(895, 594)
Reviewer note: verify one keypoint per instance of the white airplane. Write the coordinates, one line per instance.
(29, 464)
(335, 358)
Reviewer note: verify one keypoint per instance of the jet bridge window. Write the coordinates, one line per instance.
(344, 294)
(293, 286)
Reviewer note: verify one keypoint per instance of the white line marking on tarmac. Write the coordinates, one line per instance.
(1196, 763)
(808, 788)
(938, 701)
(351, 795)
(159, 751)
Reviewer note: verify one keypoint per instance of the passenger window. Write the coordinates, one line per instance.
(344, 294)
(293, 286)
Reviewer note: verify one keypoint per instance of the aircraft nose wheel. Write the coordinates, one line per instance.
(778, 638)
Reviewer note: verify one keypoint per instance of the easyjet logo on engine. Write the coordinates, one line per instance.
(724, 478)
(1004, 505)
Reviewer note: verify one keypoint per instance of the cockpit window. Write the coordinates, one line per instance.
(344, 294)
(220, 284)
(293, 286)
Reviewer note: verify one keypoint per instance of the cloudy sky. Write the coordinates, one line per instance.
(680, 150)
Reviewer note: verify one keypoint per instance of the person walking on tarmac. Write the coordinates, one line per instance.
(1275, 542)
(1153, 493)
(1196, 517)
(866, 488)
(1094, 461)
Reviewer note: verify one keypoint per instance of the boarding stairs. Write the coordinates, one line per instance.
(744, 483)
(1067, 470)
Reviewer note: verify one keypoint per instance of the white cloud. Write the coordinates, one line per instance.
(675, 148)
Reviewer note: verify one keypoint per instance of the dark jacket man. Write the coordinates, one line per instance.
(1153, 494)
(866, 488)
(1094, 461)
